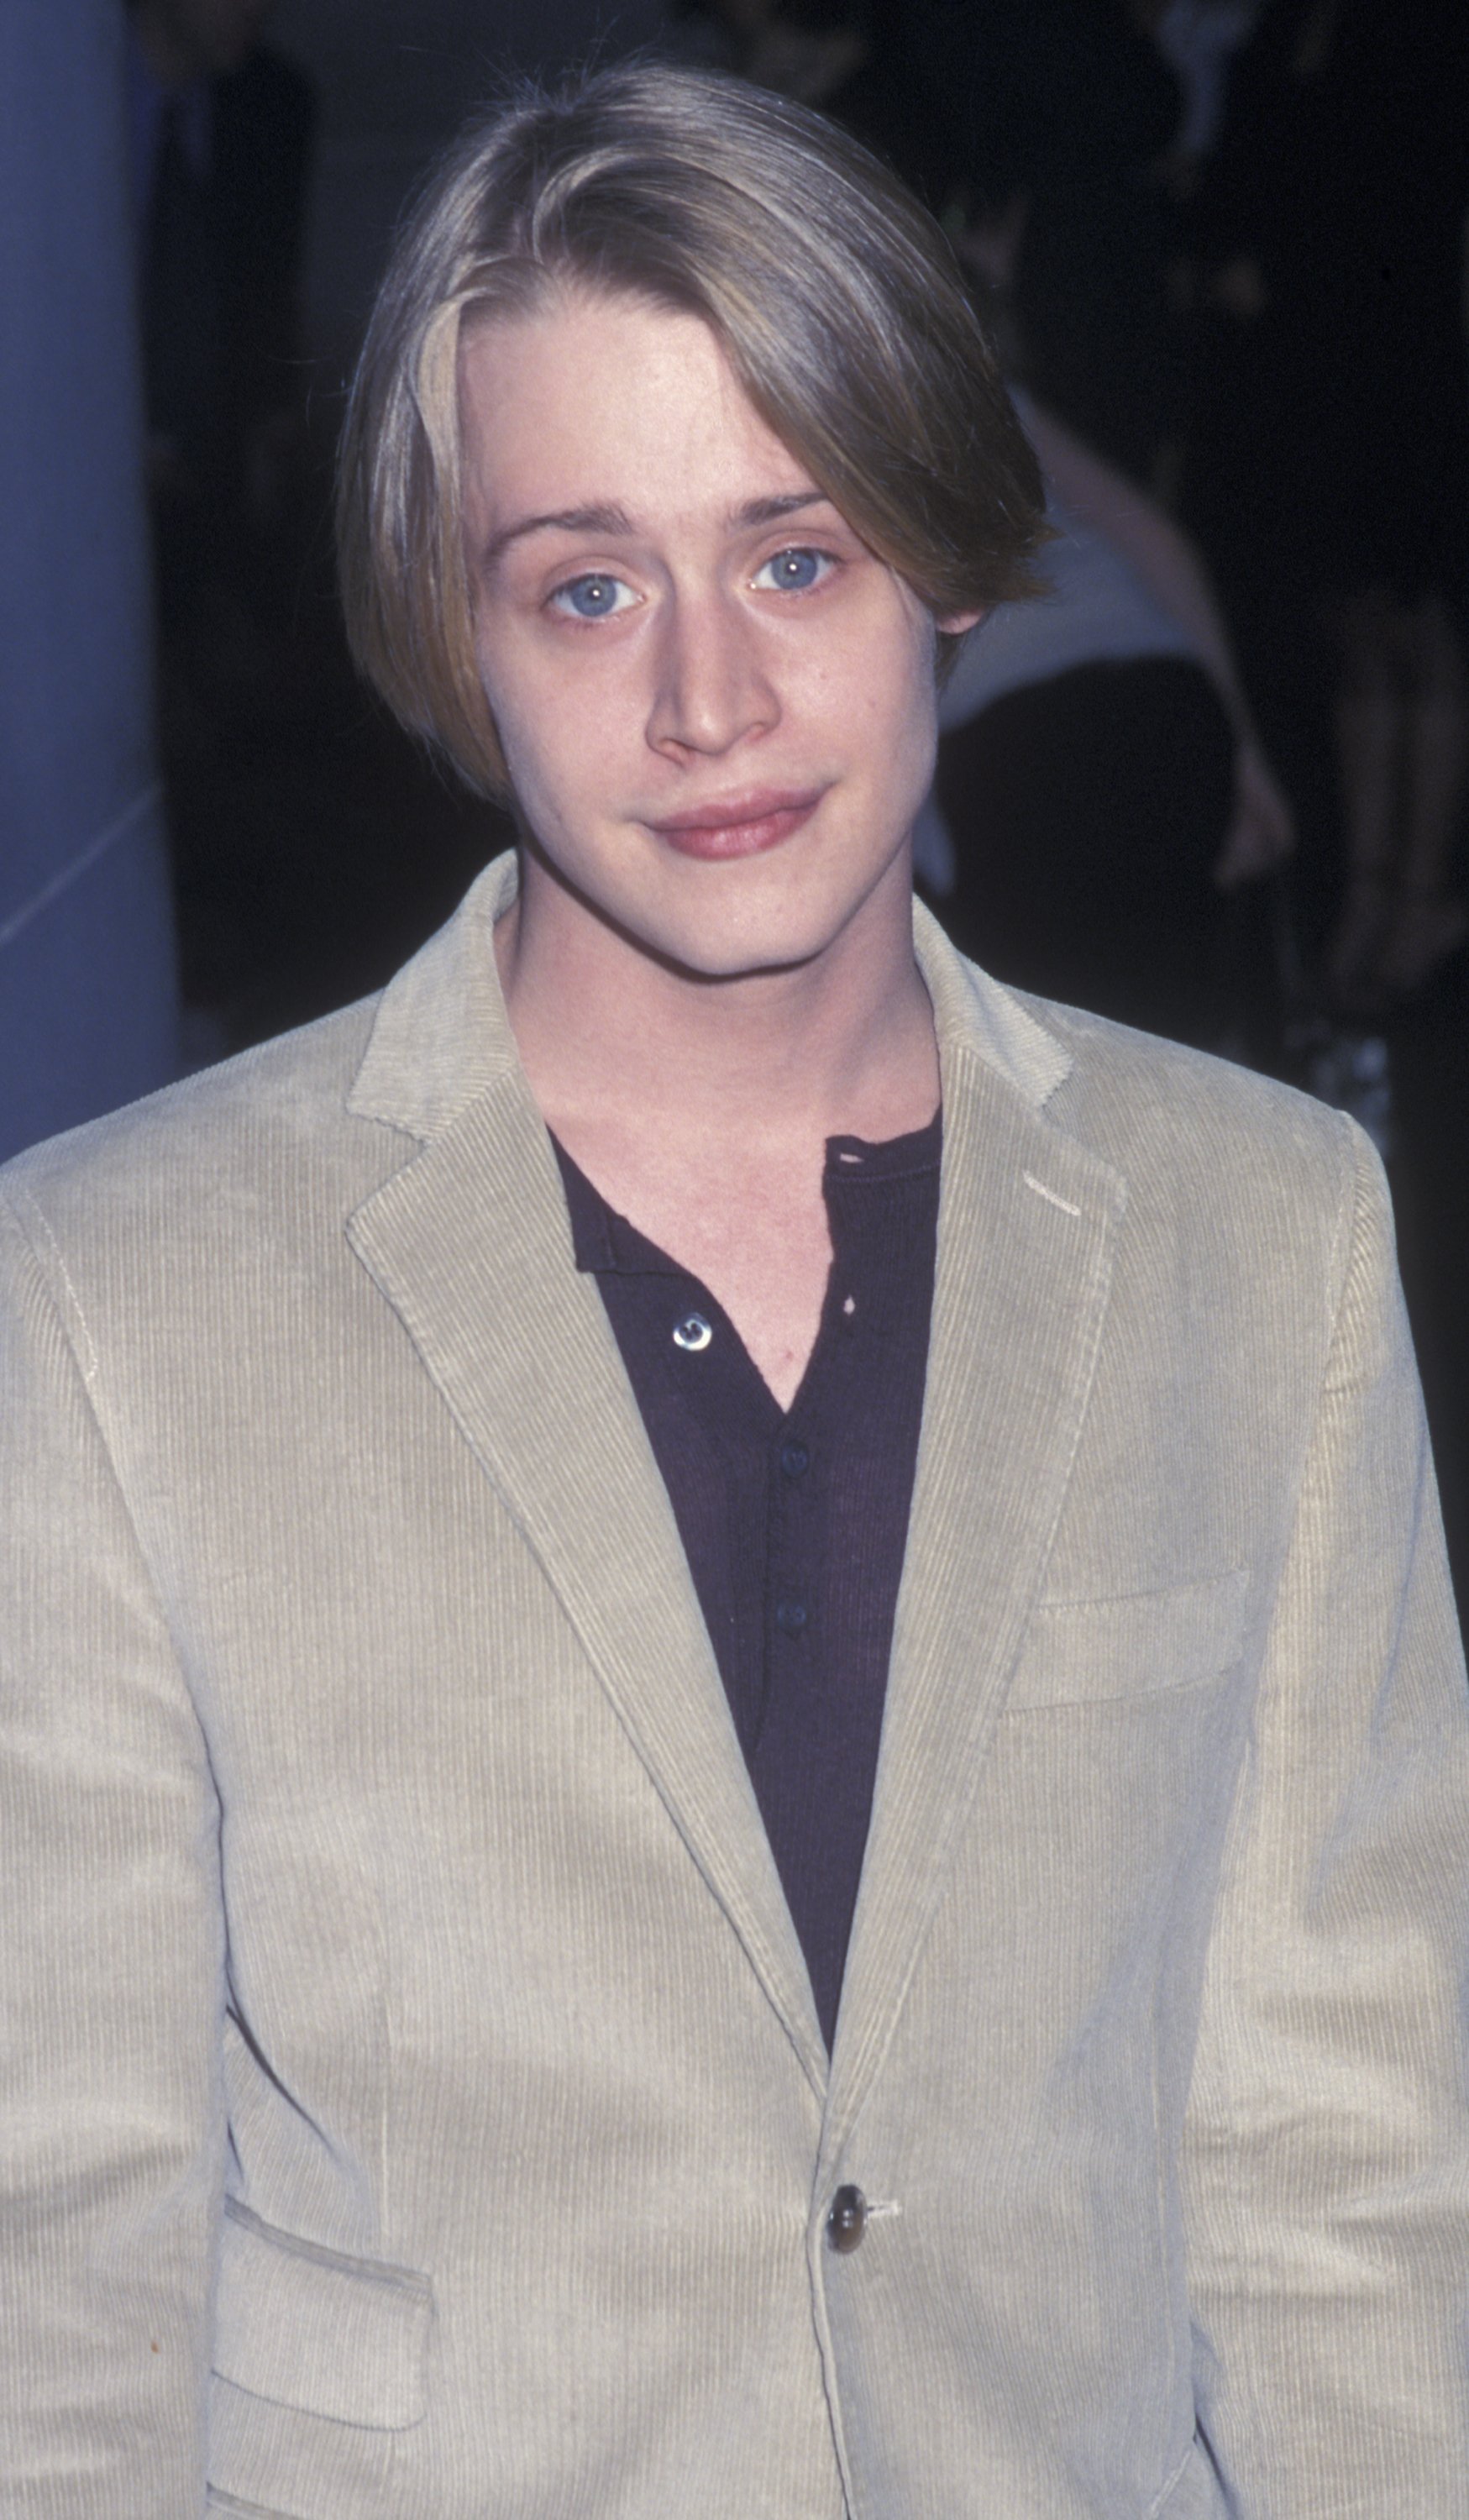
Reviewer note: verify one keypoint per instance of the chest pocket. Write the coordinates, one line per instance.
(330, 2335)
(1133, 1645)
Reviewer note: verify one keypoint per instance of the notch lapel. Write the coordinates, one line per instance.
(471, 1244)
(1026, 1227)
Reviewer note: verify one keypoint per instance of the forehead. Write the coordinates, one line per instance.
(610, 400)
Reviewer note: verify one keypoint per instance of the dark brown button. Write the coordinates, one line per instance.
(847, 2221)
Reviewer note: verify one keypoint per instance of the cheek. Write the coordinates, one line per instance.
(876, 685)
(549, 704)
(564, 764)
(896, 709)
(530, 719)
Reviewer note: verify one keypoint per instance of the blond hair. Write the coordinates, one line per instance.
(833, 294)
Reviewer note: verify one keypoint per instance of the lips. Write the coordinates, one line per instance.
(739, 826)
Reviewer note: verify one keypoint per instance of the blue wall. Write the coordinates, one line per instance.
(88, 1013)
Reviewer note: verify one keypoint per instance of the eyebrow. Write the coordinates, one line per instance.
(769, 512)
(601, 519)
(605, 518)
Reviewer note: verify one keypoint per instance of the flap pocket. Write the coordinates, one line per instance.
(332, 2335)
(1133, 1645)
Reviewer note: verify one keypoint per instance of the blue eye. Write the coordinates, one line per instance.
(592, 598)
(791, 573)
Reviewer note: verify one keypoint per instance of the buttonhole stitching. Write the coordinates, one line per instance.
(1067, 1205)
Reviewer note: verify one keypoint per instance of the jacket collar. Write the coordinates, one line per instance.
(441, 1034)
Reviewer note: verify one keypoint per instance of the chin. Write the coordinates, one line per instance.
(700, 960)
(731, 941)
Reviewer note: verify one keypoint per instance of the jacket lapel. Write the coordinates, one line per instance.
(471, 1244)
(1026, 1222)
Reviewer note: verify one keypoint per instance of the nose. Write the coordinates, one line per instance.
(712, 687)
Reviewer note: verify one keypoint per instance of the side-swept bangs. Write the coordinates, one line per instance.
(836, 300)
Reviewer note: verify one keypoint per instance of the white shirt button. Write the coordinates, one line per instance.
(692, 1332)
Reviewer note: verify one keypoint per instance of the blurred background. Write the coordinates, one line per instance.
(1212, 780)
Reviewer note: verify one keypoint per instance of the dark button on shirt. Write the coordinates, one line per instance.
(794, 1522)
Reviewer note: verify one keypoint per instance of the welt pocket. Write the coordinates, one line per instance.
(311, 2328)
(1131, 1645)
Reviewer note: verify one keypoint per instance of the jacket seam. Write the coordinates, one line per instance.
(88, 1363)
(1349, 1224)
(1168, 2487)
(1349, 1208)
(90, 1380)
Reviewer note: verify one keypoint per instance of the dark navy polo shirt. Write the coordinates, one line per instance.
(794, 1522)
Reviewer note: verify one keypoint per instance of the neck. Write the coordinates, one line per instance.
(611, 1037)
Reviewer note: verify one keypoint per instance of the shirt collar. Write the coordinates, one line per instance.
(600, 1238)
(602, 1242)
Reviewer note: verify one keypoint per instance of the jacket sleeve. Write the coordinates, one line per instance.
(1326, 2150)
(111, 1969)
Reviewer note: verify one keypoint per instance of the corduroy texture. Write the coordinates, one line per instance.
(367, 1786)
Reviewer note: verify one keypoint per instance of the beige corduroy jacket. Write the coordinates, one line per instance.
(411, 2105)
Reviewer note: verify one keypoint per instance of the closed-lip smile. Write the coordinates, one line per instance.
(737, 827)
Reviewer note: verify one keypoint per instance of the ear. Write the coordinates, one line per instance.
(955, 624)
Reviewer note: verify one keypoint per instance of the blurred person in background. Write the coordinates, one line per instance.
(1328, 463)
(1057, 117)
(1101, 782)
(1327, 477)
(222, 133)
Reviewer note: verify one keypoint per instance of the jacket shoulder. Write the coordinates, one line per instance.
(1140, 1099)
(227, 1135)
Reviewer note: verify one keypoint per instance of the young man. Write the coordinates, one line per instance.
(710, 1809)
